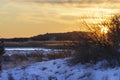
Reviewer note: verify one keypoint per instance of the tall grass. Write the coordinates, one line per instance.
(16, 59)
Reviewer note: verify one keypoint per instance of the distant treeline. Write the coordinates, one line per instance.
(70, 36)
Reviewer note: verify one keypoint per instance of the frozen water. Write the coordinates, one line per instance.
(29, 50)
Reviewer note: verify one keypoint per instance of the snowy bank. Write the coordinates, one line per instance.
(59, 70)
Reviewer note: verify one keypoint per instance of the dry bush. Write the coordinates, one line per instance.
(100, 46)
(62, 54)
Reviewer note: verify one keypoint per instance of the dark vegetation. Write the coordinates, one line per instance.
(69, 36)
(1, 53)
(49, 37)
(49, 40)
(100, 46)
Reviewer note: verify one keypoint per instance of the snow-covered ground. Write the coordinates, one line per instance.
(59, 70)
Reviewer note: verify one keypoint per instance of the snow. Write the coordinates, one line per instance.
(10, 51)
(29, 49)
(60, 70)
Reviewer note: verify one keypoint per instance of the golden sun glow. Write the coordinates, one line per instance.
(104, 30)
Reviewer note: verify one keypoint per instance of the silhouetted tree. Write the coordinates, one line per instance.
(100, 46)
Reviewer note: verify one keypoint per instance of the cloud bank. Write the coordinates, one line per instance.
(31, 17)
(68, 1)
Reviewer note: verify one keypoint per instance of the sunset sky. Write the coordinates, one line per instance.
(25, 18)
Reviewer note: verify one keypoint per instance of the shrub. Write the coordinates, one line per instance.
(100, 46)
(61, 54)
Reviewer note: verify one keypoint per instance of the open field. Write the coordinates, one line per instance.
(45, 44)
